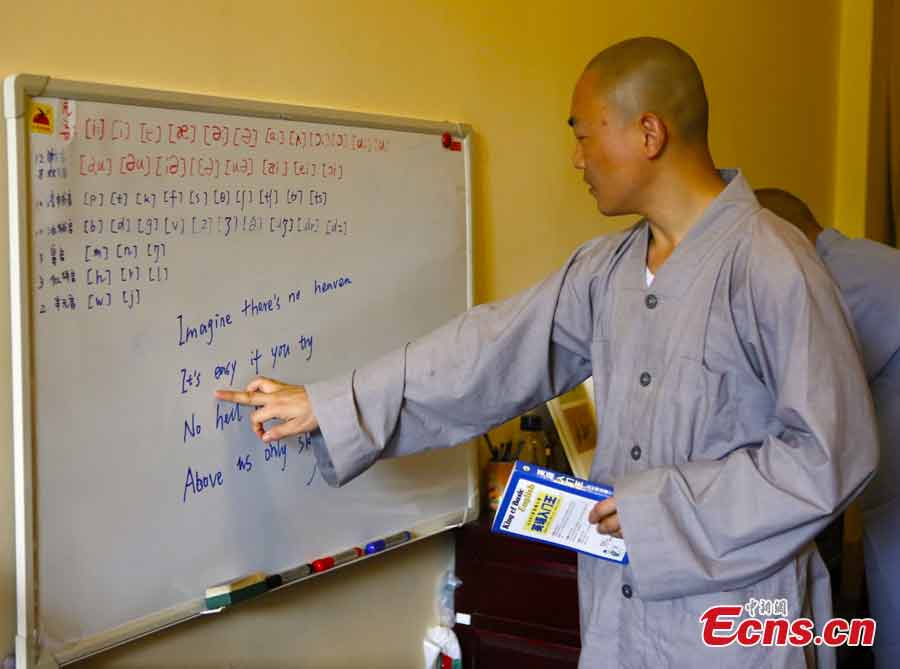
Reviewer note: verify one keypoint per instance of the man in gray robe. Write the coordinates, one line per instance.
(735, 419)
(868, 274)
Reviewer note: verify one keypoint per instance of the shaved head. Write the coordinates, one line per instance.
(791, 208)
(647, 74)
(639, 115)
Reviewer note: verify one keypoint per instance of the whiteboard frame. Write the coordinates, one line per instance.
(17, 90)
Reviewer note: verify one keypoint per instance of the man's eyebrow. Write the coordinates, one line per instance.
(571, 121)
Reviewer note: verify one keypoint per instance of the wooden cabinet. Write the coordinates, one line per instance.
(522, 599)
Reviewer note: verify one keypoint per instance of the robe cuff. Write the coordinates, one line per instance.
(335, 444)
(647, 530)
(357, 415)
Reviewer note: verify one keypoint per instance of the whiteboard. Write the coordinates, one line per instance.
(166, 245)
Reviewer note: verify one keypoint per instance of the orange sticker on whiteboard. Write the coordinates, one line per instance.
(41, 118)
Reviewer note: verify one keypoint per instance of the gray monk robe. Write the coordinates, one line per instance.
(868, 275)
(735, 419)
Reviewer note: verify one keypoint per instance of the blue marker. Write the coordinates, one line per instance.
(387, 542)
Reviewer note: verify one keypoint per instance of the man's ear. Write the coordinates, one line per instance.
(654, 133)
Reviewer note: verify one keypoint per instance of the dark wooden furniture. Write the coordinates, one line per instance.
(522, 597)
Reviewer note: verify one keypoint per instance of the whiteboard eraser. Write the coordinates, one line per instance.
(237, 590)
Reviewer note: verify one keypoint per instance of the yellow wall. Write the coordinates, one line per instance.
(506, 68)
(851, 165)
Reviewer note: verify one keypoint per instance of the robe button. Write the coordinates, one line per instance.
(635, 452)
(626, 591)
(645, 379)
(651, 301)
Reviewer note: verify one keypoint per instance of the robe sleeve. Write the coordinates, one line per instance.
(482, 368)
(883, 490)
(710, 526)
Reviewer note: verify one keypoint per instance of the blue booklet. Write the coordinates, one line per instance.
(542, 505)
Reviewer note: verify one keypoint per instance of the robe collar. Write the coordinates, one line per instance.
(675, 276)
(827, 240)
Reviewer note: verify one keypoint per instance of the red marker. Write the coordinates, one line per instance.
(326, 563)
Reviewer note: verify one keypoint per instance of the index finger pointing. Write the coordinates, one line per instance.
(240, 397)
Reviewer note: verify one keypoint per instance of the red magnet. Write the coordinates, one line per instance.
(449, 143)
